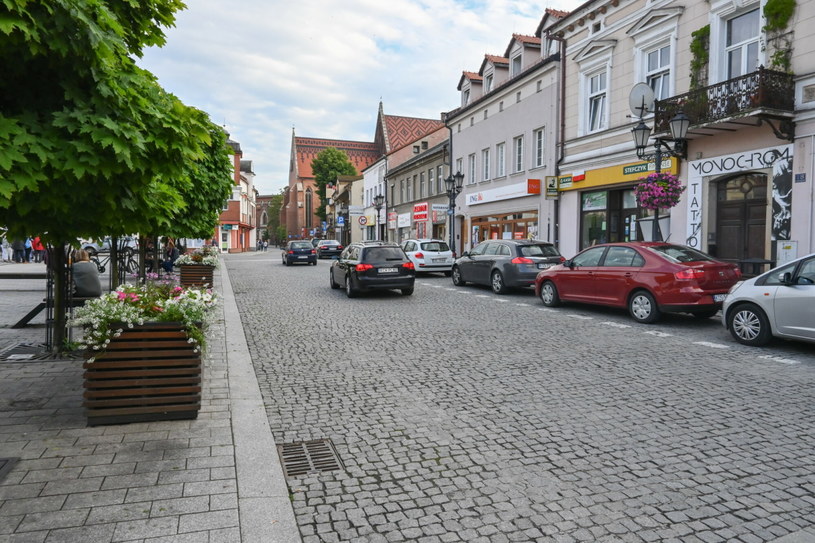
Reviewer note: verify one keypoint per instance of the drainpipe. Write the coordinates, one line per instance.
(561, 139)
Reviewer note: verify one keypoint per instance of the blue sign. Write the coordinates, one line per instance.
(340, 220)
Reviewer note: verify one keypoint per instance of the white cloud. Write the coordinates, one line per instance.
(260, 67)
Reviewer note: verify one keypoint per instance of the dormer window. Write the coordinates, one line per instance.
(488, 83)
(465, 97)
(516, 66)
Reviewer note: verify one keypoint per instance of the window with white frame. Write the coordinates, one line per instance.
(430, 182)
(538, 142)
(596, 84)
(465, 97)
(500, 159)
(409, 183)
(518, 154)
(742, 43)
(421, 184)
(471, 169)
(402, 191)
(658, 70)
(488, 83)
(516, 66)
(440, 179)
(485, 164)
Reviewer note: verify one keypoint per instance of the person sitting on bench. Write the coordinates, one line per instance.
(86, 275)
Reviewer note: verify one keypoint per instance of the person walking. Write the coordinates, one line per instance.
(27, 249)
(18, 251)
(5, 246)
(37, 249)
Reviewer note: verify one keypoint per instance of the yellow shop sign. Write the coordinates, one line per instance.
(627, 173)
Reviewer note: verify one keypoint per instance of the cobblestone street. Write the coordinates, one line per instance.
(461, 415)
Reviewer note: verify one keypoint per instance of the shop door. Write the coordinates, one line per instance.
(741, 218)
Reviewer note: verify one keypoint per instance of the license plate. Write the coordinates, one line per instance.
(388, 270)
(438, 259)
(544, 266)
(719, 297)
(302, 257)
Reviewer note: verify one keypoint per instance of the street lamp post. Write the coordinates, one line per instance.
(679, 132)
(453, 185)
(379, 200)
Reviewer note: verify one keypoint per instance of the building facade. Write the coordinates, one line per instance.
(236, 228)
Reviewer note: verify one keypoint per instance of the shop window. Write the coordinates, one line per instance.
(608, 216)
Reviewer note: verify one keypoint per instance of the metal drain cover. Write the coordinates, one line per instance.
(5, 466)
(304, 457)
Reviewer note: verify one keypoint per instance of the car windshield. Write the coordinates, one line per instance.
(301, 245)
(380, 254)
(332, 243)
(434, 246)
(680, 253)
(539, 250)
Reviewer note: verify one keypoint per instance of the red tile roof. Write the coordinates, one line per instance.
(557, 13)
(361, 153)
(472, 76)
(527, 39)
(401, 131)
(495, 59)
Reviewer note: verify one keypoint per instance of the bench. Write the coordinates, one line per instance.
(76, 301)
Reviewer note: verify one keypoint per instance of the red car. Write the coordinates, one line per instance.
(648, 278)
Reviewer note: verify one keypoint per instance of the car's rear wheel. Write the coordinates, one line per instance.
(643, 308)
(350, 291)
(749, 325)
(331, 281)
(407, 291)
(497, 283)
(705, 314)
(549, 295)
(457, 280)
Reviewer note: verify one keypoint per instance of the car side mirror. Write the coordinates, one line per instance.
(787, 278)
(568, 264)
(465, 253)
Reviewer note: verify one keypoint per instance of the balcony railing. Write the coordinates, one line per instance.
(761, 90)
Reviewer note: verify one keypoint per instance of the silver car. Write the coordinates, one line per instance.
(777, 303)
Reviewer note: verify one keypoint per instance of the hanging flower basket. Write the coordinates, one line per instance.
(659, 191)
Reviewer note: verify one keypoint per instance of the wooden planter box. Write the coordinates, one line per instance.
(150, 372)
(196, 275)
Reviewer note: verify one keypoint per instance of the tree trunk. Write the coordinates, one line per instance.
(58, 267)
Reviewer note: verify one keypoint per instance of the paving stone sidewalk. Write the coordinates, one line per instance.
(213, 479)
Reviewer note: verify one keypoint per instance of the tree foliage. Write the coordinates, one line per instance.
(90, 144)
(275, 203)
(329, 164)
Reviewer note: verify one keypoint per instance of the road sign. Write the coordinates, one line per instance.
(363, 220)
(340, 220)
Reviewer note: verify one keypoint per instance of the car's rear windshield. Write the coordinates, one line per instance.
(680, 253)
(381, 254)
(539, 250)
(301, 245)
(434, 246)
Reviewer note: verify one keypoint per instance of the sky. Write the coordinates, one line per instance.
(262, 67)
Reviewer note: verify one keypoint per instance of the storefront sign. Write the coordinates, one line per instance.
(778, 158)
(439, 213)
(355, 210)
(516, 190)
(627, 173)
(392, 217)
(551, 187)
(420, 212)
(403, 220)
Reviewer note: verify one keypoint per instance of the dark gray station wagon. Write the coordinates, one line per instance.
(505, 263)
(372, 265)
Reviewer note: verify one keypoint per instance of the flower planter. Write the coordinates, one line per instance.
(196, 275)
(150, 372)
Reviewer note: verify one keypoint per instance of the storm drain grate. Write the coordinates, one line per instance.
(5, 466)
(304, 457)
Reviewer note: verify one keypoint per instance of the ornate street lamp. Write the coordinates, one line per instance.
(679, 133)
(379, 200)
(453, 184)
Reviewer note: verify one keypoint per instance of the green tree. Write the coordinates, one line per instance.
(275, 203)
(329, 164)
(90, 144)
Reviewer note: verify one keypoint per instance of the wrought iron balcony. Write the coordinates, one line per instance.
(766, 94)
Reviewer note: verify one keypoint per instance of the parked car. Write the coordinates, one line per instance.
(328, 248)
(648, 278)
(777, 303)
(429, 255)
(373, 265)
(299, 251)
(505, 263)
(127, 244)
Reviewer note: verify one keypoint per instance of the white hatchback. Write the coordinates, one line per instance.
(777, 303)
(429, 255)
